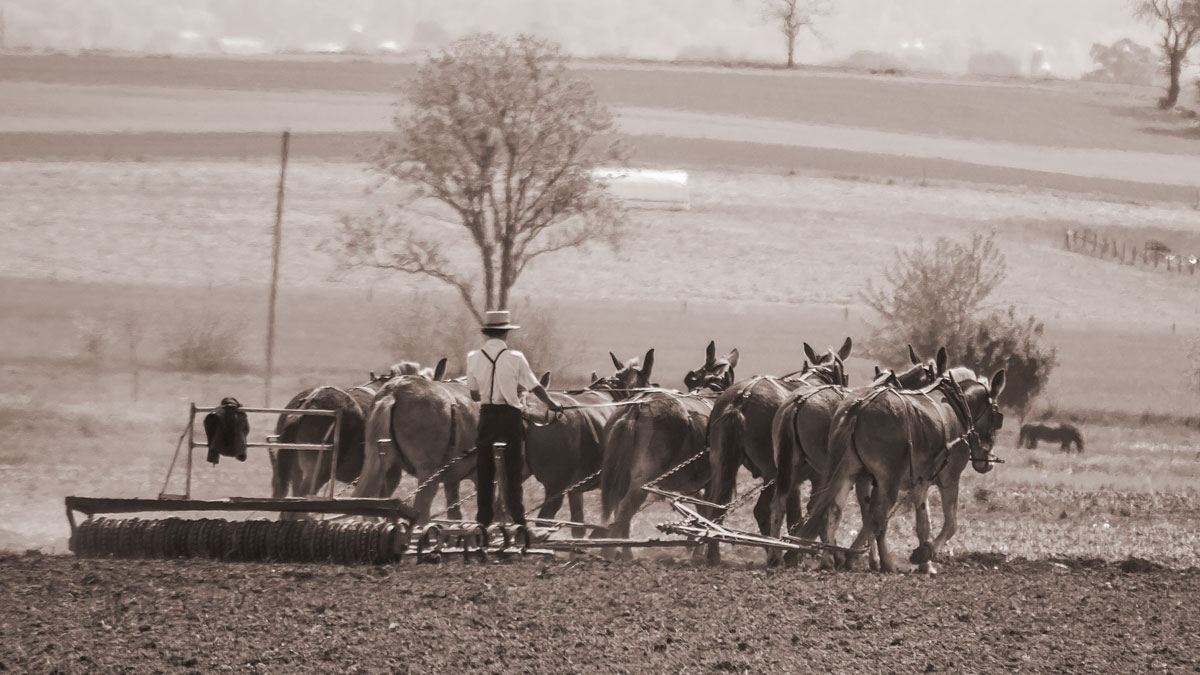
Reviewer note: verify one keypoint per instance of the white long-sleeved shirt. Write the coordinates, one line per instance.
(512, 373)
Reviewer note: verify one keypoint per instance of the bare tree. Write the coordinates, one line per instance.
(793, 16)
(498, 137)
(1180, 24)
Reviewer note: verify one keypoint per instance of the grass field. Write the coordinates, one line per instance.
(778, 244)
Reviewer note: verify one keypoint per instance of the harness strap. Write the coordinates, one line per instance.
(492, 387)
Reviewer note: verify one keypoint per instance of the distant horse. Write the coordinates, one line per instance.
(909, 440)
(226, 429)
(800, 434)
(656, 433)
(739, 431)
(1063, 434)
(562, 450)
(431, 424)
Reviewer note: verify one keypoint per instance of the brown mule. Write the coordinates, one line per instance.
(800, 434)
(909, 440)
(562, 450)
(739, 432)
(656, 433)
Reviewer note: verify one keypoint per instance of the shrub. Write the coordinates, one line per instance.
(1013, 342)
(205, 343)
(934, 296)
(931, 293)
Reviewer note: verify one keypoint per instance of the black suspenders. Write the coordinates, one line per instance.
(492, 387)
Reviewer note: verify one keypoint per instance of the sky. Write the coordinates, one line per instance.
(932, 34)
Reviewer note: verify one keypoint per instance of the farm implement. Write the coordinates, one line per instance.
(386, 532)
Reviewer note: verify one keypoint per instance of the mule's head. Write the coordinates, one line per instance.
(227, 428)
(923, 373)
(715, 374)
(979, 396)
(629, 375)
(832, 359)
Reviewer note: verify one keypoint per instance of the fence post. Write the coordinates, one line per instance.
(275, 271)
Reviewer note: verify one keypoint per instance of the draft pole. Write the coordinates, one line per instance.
(275, 271)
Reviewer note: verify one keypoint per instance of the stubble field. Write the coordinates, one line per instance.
(105, 262)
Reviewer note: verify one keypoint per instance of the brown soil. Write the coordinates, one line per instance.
(62, 614)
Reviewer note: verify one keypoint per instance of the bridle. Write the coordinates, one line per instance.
(716, 376)
(957, 399)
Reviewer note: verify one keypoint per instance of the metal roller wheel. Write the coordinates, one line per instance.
(429, 541)
(498, 536)
(521, 537)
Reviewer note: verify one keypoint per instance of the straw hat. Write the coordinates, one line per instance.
(498, 320)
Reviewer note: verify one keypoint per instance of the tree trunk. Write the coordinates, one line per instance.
(791, 51)
(1174, 70)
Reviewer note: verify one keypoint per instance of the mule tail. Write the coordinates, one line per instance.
(621, 448)
(726, 439)
(371, 480)
(841, 450)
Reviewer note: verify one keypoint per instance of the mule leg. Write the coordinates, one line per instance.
(423, 501)
(781, 498)
(575, 502)
(623, 519)
(762, 509)
(551, 507)
(883, 498)
(450, 489)
(863, 487)
(949, 495)
(923, 554)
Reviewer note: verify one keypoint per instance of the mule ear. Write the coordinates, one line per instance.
(710, 353)
(733, 358)
(545, 379)
(844, 352)
(439, 371)
(808, 351)
(878, 372)
(616, 362)
(648, 364)
(998, 382)
(912, 356)
(942, 360)
(595, 377)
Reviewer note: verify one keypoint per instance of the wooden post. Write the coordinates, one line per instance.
(275, 270)
(191, 441)
(337, 444)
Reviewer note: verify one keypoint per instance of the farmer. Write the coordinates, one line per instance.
(496, 376)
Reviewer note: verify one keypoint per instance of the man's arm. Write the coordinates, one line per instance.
(528, 380)
(472, 383)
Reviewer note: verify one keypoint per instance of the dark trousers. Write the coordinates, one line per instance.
(500, 424)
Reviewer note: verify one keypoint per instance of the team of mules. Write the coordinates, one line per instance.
(905, 431)
(1066, 435)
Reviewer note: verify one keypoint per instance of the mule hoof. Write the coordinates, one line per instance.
(927, 568)
(921, 554)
